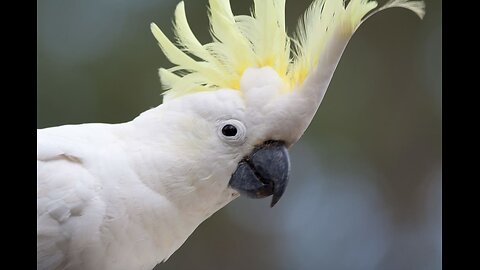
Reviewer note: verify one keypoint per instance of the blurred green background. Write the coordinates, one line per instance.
(365, 190)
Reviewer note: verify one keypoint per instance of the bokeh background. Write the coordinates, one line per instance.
(366, 183)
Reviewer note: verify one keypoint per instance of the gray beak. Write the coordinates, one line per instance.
(264, 172)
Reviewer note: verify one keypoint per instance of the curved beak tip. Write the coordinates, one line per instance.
(277, 194)
(275, 199)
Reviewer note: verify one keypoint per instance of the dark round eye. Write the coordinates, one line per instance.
(229, 130)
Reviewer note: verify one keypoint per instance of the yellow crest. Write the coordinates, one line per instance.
(259, 40)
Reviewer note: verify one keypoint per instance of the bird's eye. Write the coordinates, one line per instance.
(229, 130)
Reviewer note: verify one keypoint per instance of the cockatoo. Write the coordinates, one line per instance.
(126, 196)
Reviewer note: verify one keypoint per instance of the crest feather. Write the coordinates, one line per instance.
(258, 40)
(418, 7)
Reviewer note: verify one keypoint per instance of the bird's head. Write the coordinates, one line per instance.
(254, 89)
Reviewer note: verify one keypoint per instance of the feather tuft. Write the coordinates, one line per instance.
(258, 40)
(418, 7)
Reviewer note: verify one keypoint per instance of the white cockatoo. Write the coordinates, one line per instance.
(126, 196)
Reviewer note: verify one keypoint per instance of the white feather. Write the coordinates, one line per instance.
(126, 196)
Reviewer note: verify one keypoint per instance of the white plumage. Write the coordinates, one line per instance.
(126, 196)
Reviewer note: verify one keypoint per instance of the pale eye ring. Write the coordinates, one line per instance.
(231, 131)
